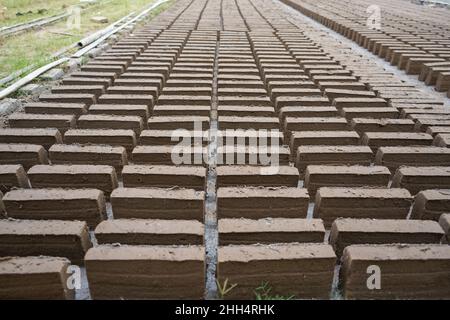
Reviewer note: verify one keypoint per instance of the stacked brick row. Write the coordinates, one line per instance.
(413, 38)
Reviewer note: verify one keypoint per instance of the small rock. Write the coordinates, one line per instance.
(8, 106)
(94, 52)
(99, 19)
(32, 89)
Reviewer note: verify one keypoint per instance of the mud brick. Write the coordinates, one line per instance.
(327, 138)
(184, 100)
(88, 154)
(178, 122)
(80, 74)
(332, 155)
(423, 124)
(315, 124)
(409, 271)
(85, 98)
(435, 130)
(444, 221)
(414, 65)
(13, 176)
(314, 101)
(44, 137)
(253, 155)
(302, 270)
(168, 155)
(262, 202)
(73, 176)
(27, 120)
(375, 203)
(317, 176)
(158, 203)
(91, 121)
(257, 176)
(68, 239)
(276, 93)
(251, 137)
(430, 204)
(146, 272)
(342, 102)
(362, 125)
(443, 81)
(344, 85)
(229, 122)
(245, 111)
(303, 112)
(162, 176)
(25, 154)
(377, 113)
(416, 179)
(332, 93)
(118, 137)
(40, 278)
(168, 110)
(150, 232)
(440, 140)
(120, 110)
(74, 81)
(96, 90)
(394, 157)
(164, 137)
(55, 108)
(102, 68)
(346, 232)
(133, 90)
(140, 82)
(124, 99)
(75, 204)
(385, 139)
(270, 230)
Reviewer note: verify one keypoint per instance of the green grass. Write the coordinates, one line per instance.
(35, 47)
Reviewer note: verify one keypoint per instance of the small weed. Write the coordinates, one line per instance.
(225, 289)
(263, 293)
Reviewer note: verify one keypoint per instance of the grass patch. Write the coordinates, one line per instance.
(264, 292)
(36, 47)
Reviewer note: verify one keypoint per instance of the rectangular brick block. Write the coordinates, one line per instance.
(346, 232)
(25, 154)
(68, 239)
(62, 122)
(362, 125)
(444, 222)
(55, 108)
(376, 140)
(120, 110)
(44, 137)
(430, 204)
(270, 230)
(163, 176)
(75, 204)
(235, 175)
(315, 124)
(416, 179)
(89, 121)
(150, 232)
(35, 278)
(146, 272)
(301, 270)
(178, 122)
(118, 137)
(13, 176)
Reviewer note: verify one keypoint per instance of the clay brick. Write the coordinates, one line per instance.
(303, 112)
(85, 98)
(245, 111)
(118, 137)
(326, 138)
(345, 176)
(174, 110)
(387, 139)
(442, 140)
(134, 90)
(252, 155)
(332, 155)
(374, 203)
(382, 125)
(346, 232)
(423, 124)
(120, 110)
(124, 99)
(75, 204)
(257, 203)
(302, 270)
(73, 176)
(375, 113)
(96, 90)
(90, 81)
(146, 272)
(13, 176)
(170, 155)
(88, 121)
(68, 239)
(88, 154)
(257, 176)
(345, 102)
(163, 176)
(55, 108)
(158, 203)
(150, 232)
(40, 278)
(28, 120)
(444, 222)
(430, 204)
(406, 269)
(394, 157)
(270, 230)
(44, 137)
(315, 124)
(229, 122)
(25, 154)
(434, 130)
(178, 122)
(164, 137)
(416, 179)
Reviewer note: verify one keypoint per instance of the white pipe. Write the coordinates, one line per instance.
(30, 77)
(88, 48)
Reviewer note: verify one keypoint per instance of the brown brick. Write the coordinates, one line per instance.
(25, 154)
(13, 176)
(416, 179)
(55, 108)
(28, 120)
(117, 137)
(257, 176)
